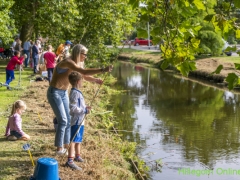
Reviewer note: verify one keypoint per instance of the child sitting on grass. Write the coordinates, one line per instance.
(14, 125)
(78, 109)
(16, 59)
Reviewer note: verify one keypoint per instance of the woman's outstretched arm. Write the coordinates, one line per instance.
(73, 66)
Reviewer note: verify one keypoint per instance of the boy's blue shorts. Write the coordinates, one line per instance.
(79, 136)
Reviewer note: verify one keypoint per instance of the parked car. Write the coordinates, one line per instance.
(227, 48)
(141, 41)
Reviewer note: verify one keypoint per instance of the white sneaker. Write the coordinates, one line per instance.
(4, 84)
(62, 152)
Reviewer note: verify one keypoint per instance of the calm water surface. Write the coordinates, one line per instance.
(192, 129)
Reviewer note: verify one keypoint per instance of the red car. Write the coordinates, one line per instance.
(141, 41)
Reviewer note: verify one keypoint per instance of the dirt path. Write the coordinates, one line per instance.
(210, 64)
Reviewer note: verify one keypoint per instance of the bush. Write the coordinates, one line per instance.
(211, 43)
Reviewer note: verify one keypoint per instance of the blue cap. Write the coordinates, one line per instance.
(68, 42)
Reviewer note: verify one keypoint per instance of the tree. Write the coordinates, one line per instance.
(88, 22)
(7, 24)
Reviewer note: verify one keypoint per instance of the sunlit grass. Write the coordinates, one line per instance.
(233, 59)
(134, 51)
(8, 97)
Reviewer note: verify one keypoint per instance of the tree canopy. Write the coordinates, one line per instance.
(7, 28)
(90, 22)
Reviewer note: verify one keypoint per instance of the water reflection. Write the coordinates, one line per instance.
(181, 122)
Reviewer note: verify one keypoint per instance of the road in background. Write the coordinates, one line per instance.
(156, 48)
(234, 54)
(145, 48)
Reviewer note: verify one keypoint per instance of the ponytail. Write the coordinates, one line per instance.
(19, 104)
(13, 109)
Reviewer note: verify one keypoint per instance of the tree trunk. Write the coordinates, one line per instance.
(26, 32)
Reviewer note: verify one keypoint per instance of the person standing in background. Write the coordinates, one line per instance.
(14, 44)
(67, 48)
(63, 50)
(26, 50)
(50, 61)
(18, 46)
(30, 59)
(40, 48)
(35, 55)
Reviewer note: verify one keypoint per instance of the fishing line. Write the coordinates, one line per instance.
(122, 130)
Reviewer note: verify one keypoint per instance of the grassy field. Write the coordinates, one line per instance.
(11, 152)
(231, 59)
(148, 56)
(7, 97)
(156, 56)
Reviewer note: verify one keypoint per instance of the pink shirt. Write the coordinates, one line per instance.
(12, 63)
(50, 58)
(14, 124)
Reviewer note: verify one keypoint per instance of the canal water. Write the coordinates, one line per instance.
(190, 129)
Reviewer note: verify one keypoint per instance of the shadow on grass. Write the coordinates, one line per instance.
(41, 131)
(23, 178)
(10, 169)
(13, 154)
(3, 138)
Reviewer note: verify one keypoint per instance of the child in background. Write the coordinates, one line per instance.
(78, 109)
(50, 61)
(14, 126)
(18, 47)
(16, 59)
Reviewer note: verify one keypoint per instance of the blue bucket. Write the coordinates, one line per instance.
(46, 169)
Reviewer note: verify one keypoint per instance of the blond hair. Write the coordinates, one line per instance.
(49, 47)
(76, 51)
(19, 104)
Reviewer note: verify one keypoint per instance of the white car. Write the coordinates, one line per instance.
(226, 46)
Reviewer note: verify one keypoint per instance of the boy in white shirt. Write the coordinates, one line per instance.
(78, 110)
